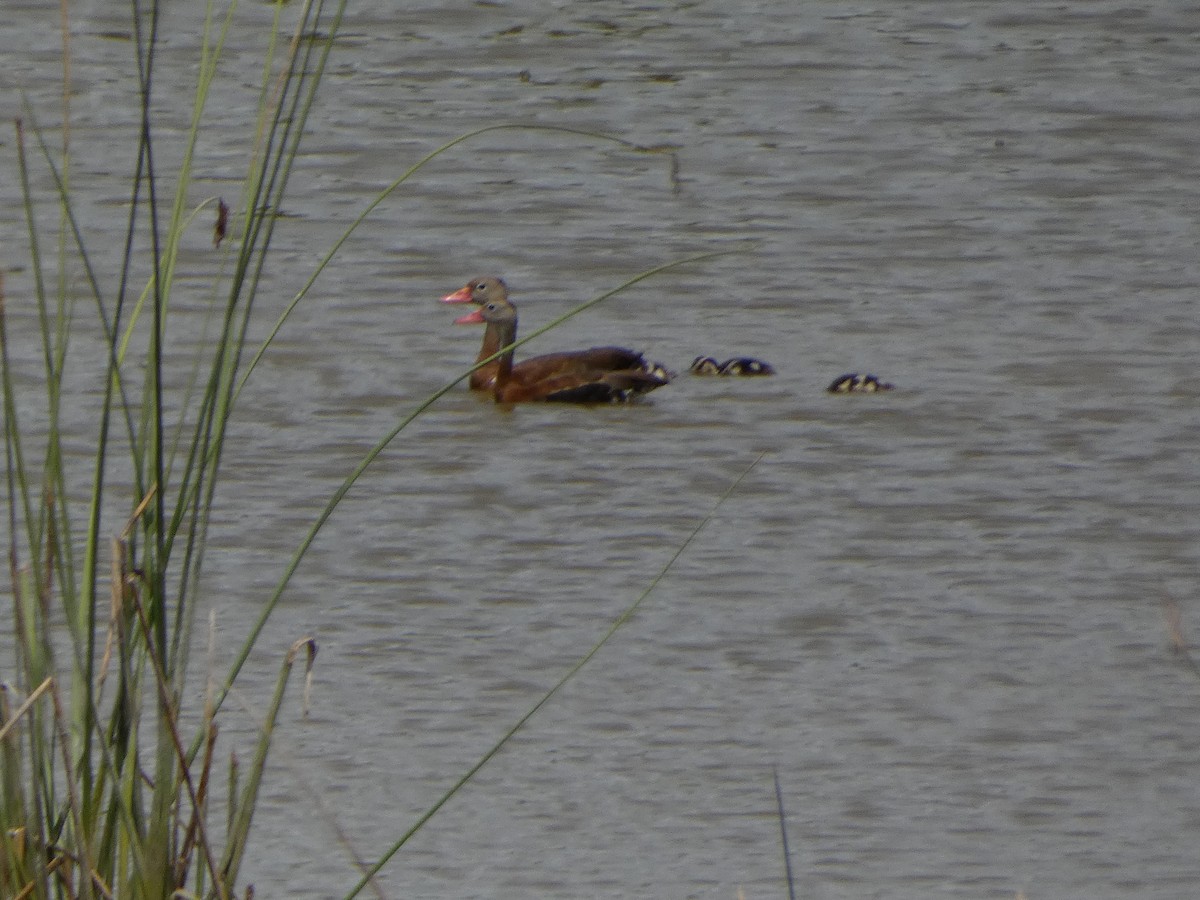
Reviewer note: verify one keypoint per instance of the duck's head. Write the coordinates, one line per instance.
(479, 290)
(491, 312)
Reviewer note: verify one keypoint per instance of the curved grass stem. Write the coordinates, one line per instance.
(350, 480)
(570, 673)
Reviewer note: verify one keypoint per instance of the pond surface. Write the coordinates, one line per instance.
(935, 612)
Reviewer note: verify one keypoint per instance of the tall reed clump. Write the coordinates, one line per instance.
(107, 778)
(104, 792)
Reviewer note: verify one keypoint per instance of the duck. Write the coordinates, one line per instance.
(705, 365)
(854, 383)
(739, 365)
(486, 289)
(596, 375)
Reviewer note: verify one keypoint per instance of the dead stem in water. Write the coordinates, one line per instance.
(1179, 645)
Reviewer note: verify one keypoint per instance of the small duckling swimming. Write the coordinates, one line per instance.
(854, 383)
(738, 365)
(746, 365)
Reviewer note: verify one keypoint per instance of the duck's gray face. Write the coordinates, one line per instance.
(479, 291)
(494, 312)
(498, 312)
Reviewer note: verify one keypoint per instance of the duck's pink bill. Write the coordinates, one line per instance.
(462, 295)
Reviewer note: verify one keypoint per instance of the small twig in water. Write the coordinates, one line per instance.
(1179, 645)
(787, 856)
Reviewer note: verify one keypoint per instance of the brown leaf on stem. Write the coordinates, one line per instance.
(222, 222)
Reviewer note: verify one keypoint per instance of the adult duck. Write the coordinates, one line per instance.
(597, 375)
(488, 289)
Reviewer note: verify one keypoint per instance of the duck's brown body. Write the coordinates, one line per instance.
(548, 366)
(594, 375)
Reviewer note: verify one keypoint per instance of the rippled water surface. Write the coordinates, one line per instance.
(935, 611)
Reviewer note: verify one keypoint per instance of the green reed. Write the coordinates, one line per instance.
(104, 791)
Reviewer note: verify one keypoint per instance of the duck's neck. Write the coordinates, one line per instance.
(491, 343)
(501, 334)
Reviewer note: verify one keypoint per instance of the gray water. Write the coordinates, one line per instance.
(936, 612)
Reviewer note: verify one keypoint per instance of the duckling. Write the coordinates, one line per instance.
(738, 365)
(854, 383)
(745, 365)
